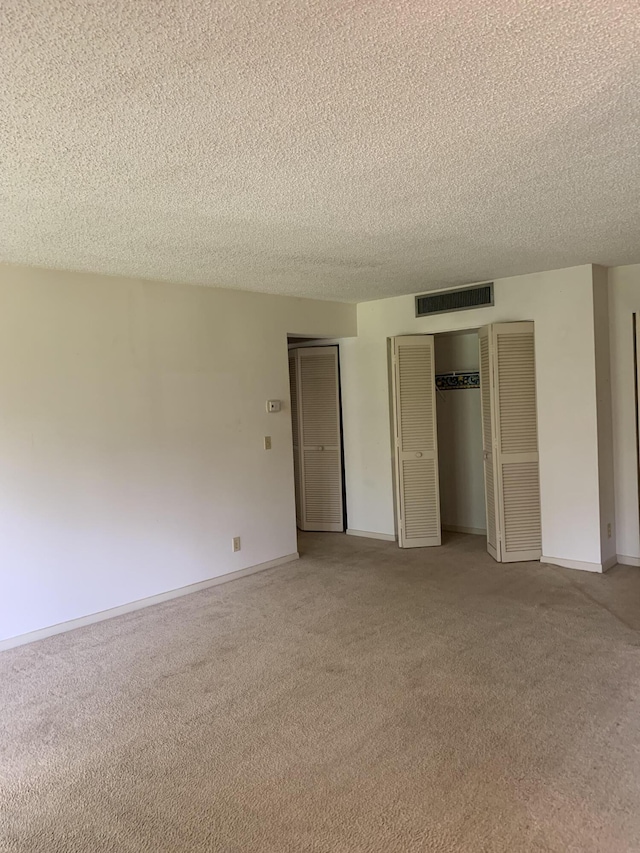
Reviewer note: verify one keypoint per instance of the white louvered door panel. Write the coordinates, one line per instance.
(516, 427)
(416, 448)
(488, 441)
(319, 439)
(637, 346)
(295, 429)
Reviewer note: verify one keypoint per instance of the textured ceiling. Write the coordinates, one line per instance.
(342, 149)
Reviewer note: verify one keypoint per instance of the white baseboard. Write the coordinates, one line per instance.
(455, 528)
(387, 537)
(41, 633)
(574, 564)
(628, 561)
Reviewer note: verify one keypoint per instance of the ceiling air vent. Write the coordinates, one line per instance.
(455, 300)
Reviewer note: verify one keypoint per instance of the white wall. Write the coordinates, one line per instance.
(132, 416)
(624, 300)
(560, 303)
(460, 437)
(132, 419)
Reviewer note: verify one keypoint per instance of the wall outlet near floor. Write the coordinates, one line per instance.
(235, 543)
(267, 442)
(609, 530)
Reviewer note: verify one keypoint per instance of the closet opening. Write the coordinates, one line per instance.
(459, 425)
(445, 434)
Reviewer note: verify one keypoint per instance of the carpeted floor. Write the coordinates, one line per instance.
(361, 699)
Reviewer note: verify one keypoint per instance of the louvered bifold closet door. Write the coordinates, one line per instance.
(516, 426)
(295, 429)
(320, 439)
(488, 443)
(637, 360)
(416, 448)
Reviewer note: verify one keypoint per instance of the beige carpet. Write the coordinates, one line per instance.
(362, 699)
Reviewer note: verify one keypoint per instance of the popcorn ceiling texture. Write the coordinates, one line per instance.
(340, 150)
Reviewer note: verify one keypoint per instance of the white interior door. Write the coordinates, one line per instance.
(319, 439)
(488, 443)
(637, 349)
(416, 442)
(508, 383)
(295, 427)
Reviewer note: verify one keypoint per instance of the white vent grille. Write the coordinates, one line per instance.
(463, 299)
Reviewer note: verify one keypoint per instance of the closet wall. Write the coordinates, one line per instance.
(462, 503)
